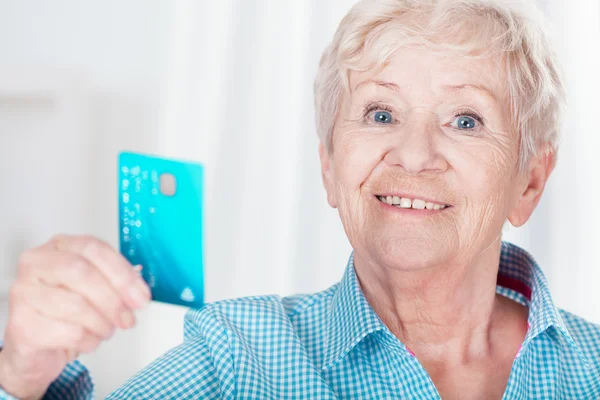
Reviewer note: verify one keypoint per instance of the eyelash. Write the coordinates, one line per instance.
(382, 107)
(375, 107)
(469, 113)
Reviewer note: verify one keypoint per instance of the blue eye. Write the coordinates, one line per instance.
(466, 122)
(383, 117)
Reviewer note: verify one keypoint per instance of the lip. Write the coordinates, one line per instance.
(413, 196)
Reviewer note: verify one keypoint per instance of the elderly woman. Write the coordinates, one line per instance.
(438, 122)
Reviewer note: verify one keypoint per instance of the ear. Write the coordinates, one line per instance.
(327, 175)
(539, 170)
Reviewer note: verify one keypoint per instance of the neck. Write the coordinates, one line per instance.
(446, 309)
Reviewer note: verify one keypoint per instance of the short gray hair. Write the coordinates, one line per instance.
(516, 29)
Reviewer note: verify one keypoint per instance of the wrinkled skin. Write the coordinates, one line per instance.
(422, 152)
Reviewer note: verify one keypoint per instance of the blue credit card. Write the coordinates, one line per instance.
(161, 225)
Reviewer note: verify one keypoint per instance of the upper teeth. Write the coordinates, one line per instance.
(403, 202)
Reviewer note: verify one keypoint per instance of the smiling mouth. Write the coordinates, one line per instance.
(416, 204)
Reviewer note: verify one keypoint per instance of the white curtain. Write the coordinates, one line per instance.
(240, 100)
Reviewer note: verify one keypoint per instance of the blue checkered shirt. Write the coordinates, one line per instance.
(332, 345)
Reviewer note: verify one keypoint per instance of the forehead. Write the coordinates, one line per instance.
(428, 73)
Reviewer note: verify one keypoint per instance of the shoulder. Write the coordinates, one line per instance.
(586, 335)
(218, 334)
(200, 367)
(255, 311)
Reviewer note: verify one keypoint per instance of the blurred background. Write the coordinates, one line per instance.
(229, 83)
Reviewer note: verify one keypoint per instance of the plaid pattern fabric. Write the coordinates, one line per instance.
(332, 345)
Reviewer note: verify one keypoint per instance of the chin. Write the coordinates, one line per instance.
(410, 253)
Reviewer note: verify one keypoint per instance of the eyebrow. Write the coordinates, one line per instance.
(471, 86)
(448, 88)
(387, 85)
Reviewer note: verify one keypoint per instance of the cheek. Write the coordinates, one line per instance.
(485, 173)
(355, 158)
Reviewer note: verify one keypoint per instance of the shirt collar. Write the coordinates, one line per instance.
(521, 274)
(351, 317)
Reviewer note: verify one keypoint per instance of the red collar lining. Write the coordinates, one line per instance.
(514, 284)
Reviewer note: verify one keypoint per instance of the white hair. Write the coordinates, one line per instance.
(516, 30)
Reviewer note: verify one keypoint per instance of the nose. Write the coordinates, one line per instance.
(416, 145)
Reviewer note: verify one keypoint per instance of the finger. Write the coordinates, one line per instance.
(63, 305)
(115, 268)
(77, 274)
(36, 331)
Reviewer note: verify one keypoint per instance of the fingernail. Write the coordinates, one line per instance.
(71, 355)
(138, 298)
(138, 269)
(127, 319)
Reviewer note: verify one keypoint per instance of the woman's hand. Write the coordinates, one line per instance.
(71, 294)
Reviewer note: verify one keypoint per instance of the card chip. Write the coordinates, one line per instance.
(168, 184)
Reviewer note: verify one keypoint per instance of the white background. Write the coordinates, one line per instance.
(229, 83)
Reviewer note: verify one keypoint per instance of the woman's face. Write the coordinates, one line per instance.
(427, 128)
